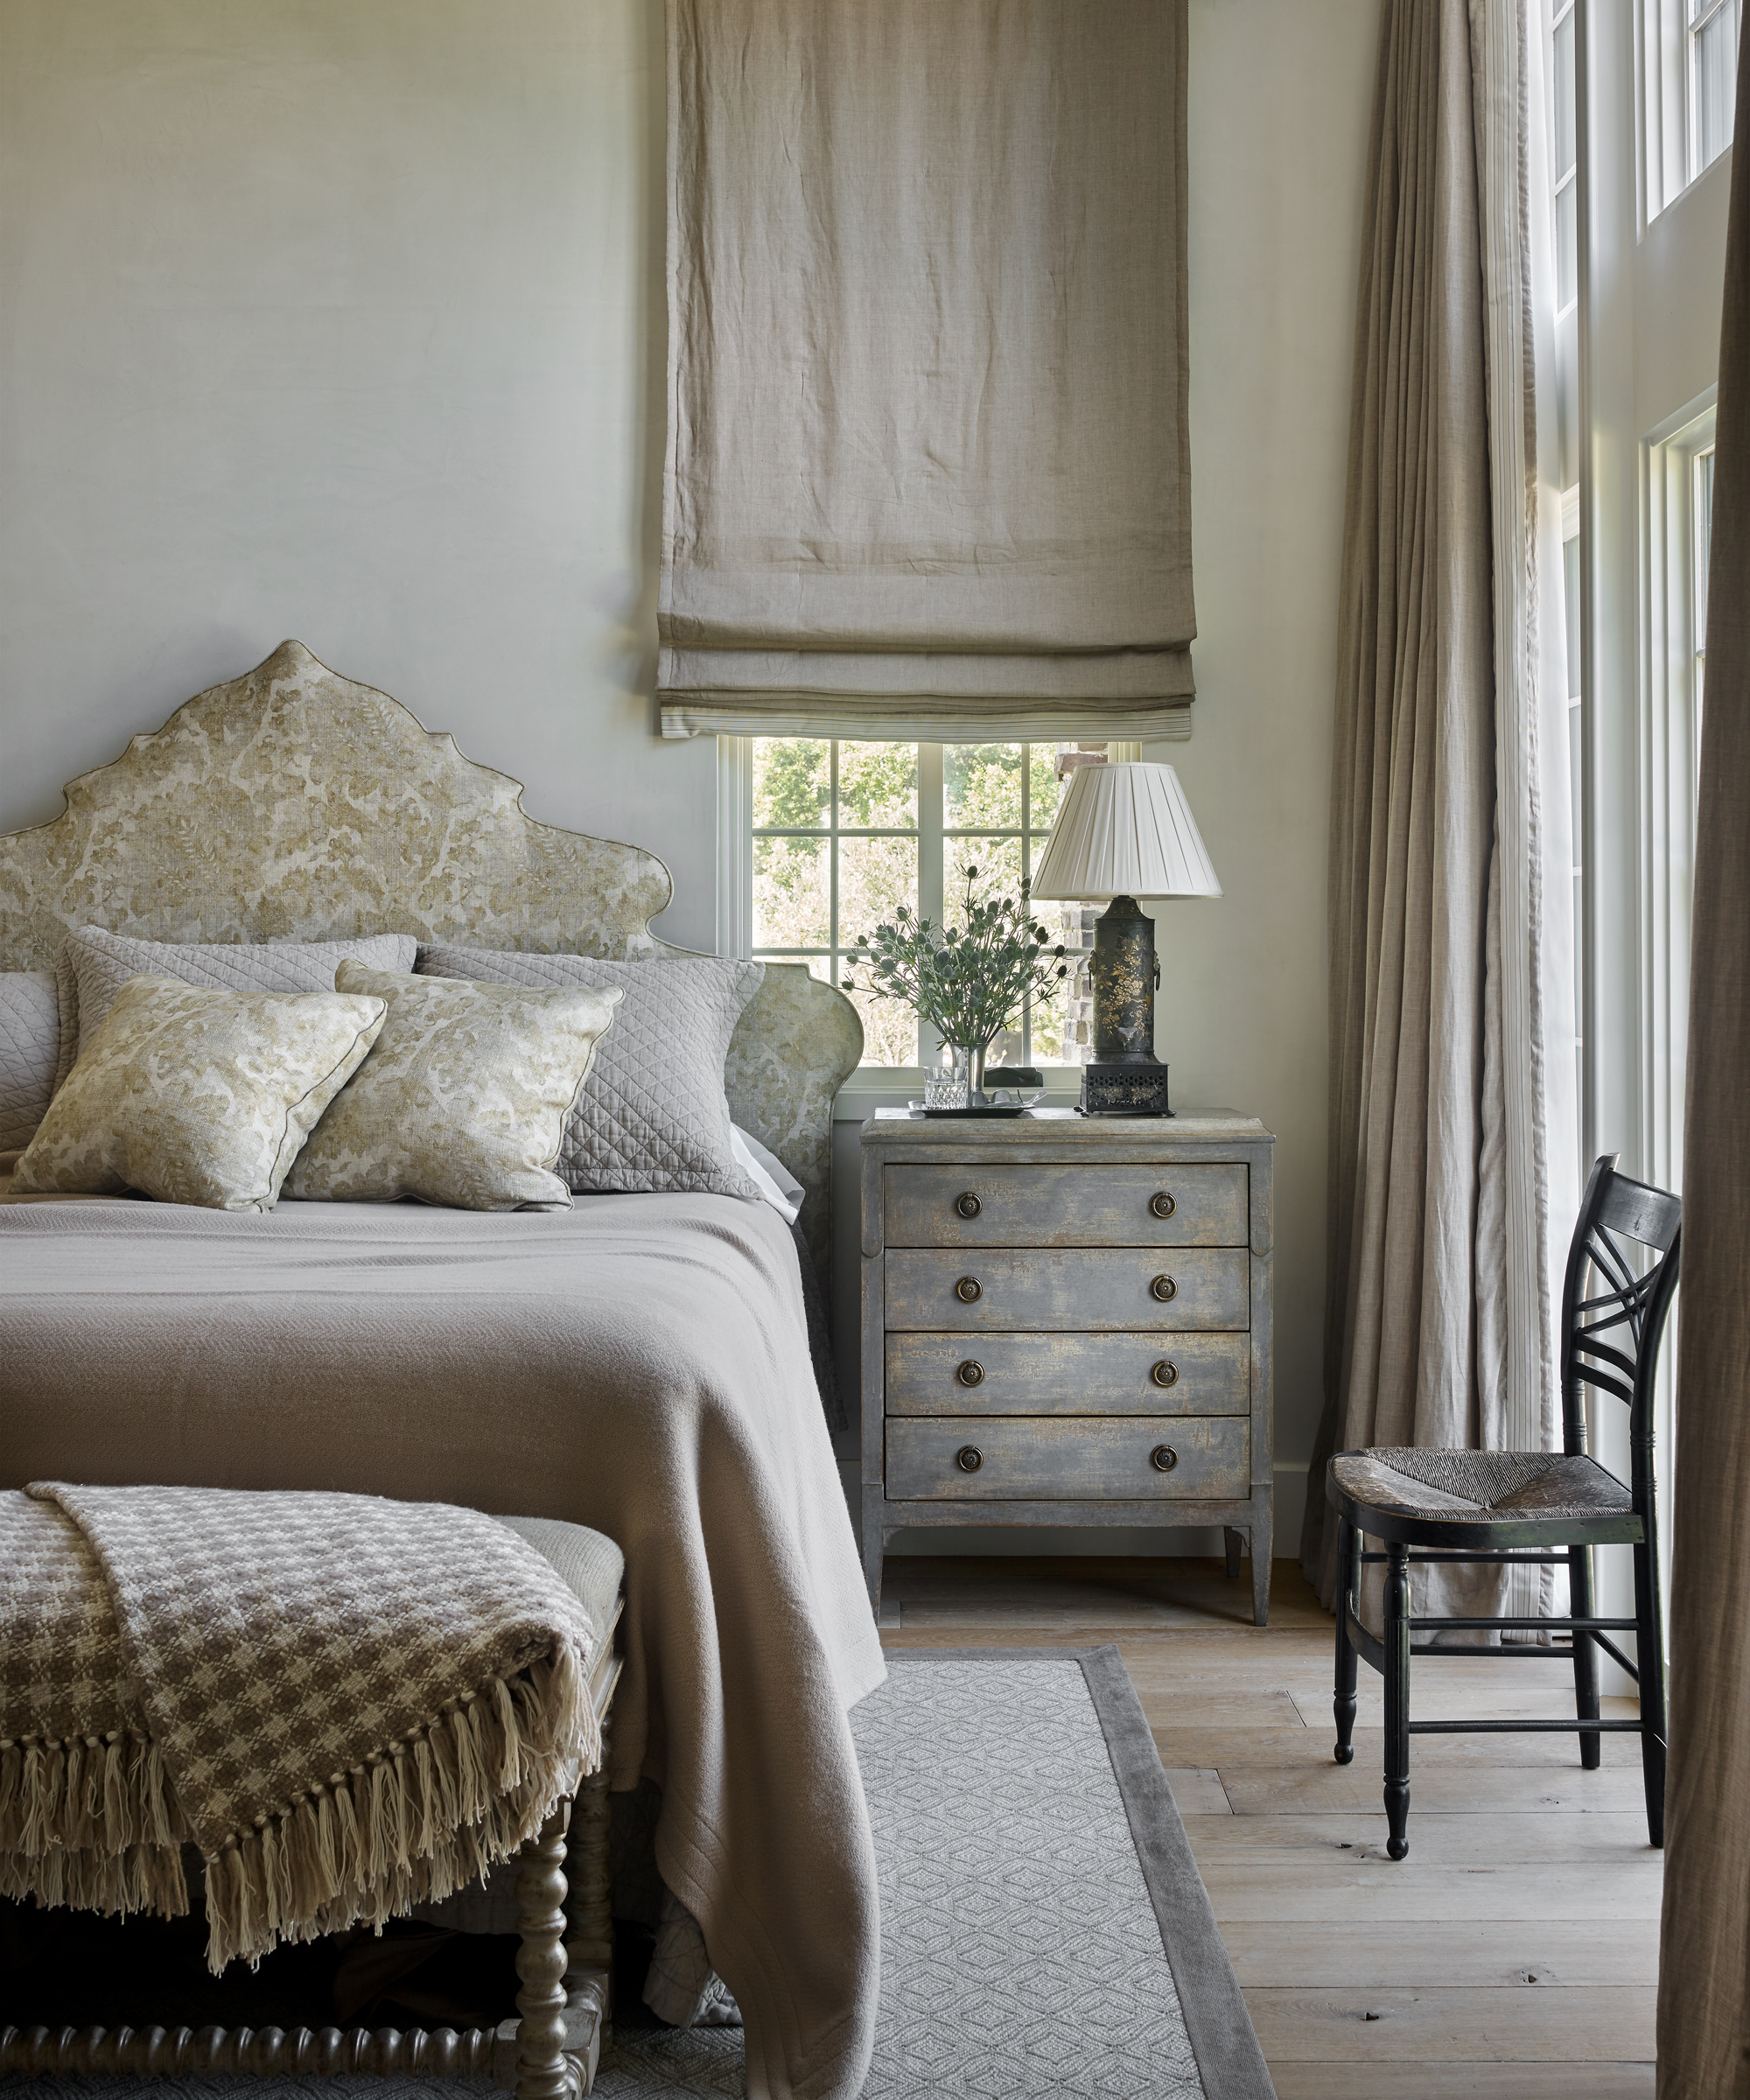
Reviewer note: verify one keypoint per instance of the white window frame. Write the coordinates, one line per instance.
(1565, 181)
(1669, 140)
(1674, 616)
(1670, 734)
(870, 1086)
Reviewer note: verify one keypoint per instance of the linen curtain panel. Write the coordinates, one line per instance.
(927, 461)
(1451, 963)
(1705, 1949)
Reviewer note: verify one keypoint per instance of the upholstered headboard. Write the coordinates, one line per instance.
(293, 805)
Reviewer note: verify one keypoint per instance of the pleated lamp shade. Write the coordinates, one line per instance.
(1125, 831)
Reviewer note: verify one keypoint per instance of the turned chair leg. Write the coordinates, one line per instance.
(1348, 1595)
(1586, 1654)
(1649, 1640)
(1398, 1699)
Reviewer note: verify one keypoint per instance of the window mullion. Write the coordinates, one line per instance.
(929, 866)
(833, 940)
(1026, 875)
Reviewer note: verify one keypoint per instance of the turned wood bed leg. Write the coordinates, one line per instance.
(543, 2069)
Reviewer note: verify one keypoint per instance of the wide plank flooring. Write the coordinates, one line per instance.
(1513, 1956)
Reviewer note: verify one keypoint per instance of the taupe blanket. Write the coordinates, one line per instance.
(637, 1364)
(351, 1705)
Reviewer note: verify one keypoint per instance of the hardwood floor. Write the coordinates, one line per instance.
(1513, 1956)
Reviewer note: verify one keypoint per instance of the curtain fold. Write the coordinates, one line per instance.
(1704, 2022)
(928, 458)
(1439, 1325)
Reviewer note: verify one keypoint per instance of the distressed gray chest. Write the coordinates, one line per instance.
(1067, 1321)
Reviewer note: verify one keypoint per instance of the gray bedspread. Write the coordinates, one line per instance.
(638, 1364)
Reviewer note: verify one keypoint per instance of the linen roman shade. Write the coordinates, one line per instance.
(928, 469)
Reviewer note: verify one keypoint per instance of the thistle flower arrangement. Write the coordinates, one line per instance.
(968, 983)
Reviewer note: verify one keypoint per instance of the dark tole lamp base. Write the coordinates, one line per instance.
(1124, 1090)
(1123, 1077)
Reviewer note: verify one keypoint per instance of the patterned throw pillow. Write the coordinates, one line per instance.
(463, 1100)
(93, 966)
(30, 1047)
(654, 1114)
(198, 1096)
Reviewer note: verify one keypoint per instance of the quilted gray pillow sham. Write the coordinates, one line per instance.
(30, 1049)
(93, 966)
(651, 1115)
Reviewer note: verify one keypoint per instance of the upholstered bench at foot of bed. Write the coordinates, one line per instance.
(554, 1895)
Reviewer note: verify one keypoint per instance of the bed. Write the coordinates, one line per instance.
(638, 1364)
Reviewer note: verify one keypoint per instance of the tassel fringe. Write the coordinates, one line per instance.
(95, 1824)
(90, 1825)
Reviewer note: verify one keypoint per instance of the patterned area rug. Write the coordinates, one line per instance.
(1044, 1929)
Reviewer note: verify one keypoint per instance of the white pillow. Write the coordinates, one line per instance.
(776, 1184)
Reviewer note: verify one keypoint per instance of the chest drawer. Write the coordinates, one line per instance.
(1148, 1458)
(1023, 1205)
(975, 1290)
(1069, 1375)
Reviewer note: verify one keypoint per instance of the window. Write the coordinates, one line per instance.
(1689, 72)
(835, 834)
(1571, 595)
(1566, 160)
(1701, 530)
(1711, 39)
(1636, 440)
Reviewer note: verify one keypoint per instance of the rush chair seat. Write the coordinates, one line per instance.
(1544, 1509)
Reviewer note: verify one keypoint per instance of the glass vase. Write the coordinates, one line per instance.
(945, 1087)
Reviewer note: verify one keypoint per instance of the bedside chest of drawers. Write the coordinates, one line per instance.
(1067, 1320)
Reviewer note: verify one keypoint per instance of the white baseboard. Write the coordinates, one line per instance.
(1192, 1540)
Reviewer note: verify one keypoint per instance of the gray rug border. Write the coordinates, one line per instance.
(1229, 2060)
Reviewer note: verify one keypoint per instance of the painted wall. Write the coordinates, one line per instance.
(341, 321)
(1281, 91)
(345, 321)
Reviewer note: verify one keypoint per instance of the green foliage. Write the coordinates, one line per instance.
(966, 980)
(877, 786)
(793, 782)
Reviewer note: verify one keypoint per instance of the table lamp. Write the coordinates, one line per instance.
(1124, 832)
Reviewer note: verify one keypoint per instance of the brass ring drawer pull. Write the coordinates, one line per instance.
(1163, 1205)
(1163, 1458)
(968, 1206)
(968, 1458)
(1165, 1373)
(969, 1290)
(971, 1373)
(1163, 1287)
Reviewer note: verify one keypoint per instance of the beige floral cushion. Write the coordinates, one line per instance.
(463, 1100)
(654, 1114)
(195, 1095)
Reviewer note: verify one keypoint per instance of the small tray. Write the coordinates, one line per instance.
(965, 1113)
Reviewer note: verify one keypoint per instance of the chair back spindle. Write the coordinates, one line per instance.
(1610, 1340)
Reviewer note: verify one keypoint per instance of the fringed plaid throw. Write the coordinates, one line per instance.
(350, 1705)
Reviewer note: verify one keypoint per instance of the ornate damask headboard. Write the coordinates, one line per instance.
(293, 805)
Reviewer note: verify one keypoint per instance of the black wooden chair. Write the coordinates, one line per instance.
(1541, 1507)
